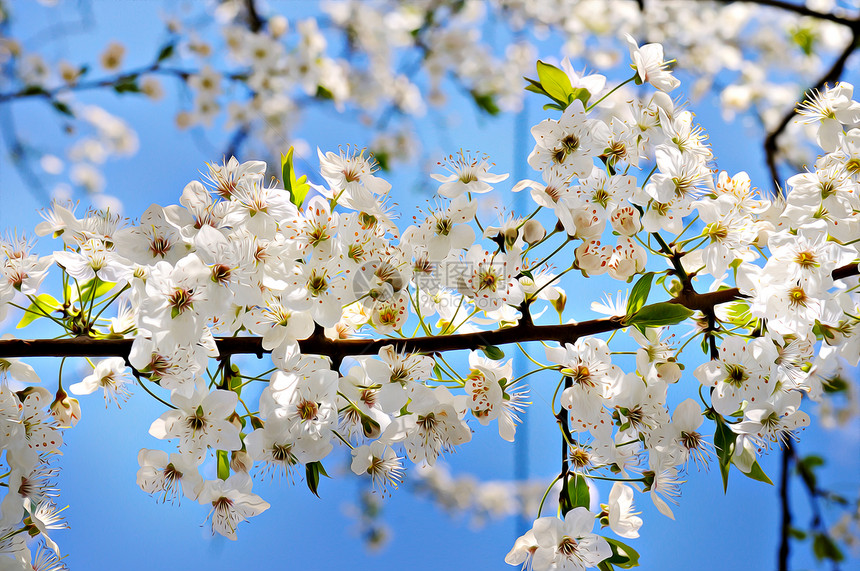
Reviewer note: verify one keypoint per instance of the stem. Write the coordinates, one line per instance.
(563, 421)
(785, 509)
(613, 90)
(545, 494)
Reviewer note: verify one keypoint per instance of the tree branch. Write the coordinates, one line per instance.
(785, 510)
(801, 10)
(318, 344)
(255, 22)
(832, 75)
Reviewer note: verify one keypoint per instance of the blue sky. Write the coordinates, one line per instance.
(114, 523)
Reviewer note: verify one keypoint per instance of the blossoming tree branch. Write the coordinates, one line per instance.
(259, 71)
(391, 342)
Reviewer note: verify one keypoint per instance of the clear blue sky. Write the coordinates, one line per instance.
(114, 524)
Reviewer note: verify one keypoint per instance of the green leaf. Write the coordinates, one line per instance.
(658, 315)
(383, 160)
(805, 39)
(223, 464)
(535, 87)
(824, 547)
(485, 102)
(94, 289)
(492, 352)
(127, 84)
(724, 443)
(639, 293)
(836, 384)
(312, 476)
(578, 493)
(756, 473)
(62, 108)
(580, 93)
(555, 82)
(236, 381)
(323, 93)
(33, 90)
(298, 188)
(806, 468)
(623, 555)
(42, 305)
(798, 534)
(165, 52)
(738, 313)
(605, 566)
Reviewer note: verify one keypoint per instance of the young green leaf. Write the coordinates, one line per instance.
(578, 493)
(312, 476)
(756, 473)
(62, 108)
(623, 555)
(824, 547)
(166, 52)
(579, 93)
(127, 84)
(492, 352)
(555, 82)
(658, 315)
(94, 289)
(639, 293)
(223, 464)
(42, 305)
(724, 443)
(297, 188)
(485, 102)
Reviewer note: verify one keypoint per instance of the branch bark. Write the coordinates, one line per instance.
(318, 344)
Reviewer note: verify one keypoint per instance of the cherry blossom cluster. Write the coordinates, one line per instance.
(359, 316)
(256, 72)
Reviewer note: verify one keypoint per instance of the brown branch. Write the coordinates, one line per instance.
(318, 344)
(799, 9)
(832, 75)
(255, 22)
(785, 510)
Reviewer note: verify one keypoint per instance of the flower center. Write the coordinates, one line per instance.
(283, 453)
(568, 546)
(444, 226)
(806, 260)
(307, 410)
(736, 375)
(180, 301)
(797, 297)
(221, 273)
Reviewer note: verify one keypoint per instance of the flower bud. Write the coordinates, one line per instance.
(559, 303)
(533, 231)
(593, 258)
(626, 220)
(278, 26)
(235, 420)
(66, 410)
(240, 461)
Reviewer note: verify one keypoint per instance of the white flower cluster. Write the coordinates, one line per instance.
(308, 270)
(259, 73)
